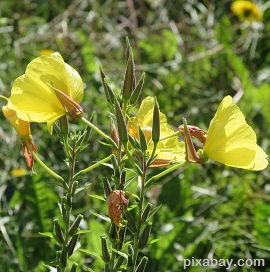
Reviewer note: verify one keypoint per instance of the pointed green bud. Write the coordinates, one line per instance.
(105, 249)
(72, 243)
(112, 231)
(131, 222)
(156, 123)
(63, 210)
(143, 142)
(137, 91)
(107, 187)
(58, 232)
(74, 267)
(146, 212)
(141, 266)
(64, 256)
(119, 262)
(121, 123)
(74, 227)
(107, 268)
(108, 91)
(122, 234)
(130, 255)
(145, 235)
(129, 80)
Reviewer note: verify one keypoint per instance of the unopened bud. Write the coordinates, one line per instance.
(72, 243)
(146, 212)
(145, 235)
(137, 91)
(73, 109)
(121, 123)
(74, 227)
(120, 242)
(130, 255)
(156, 124)
(107, 187)
(143, 141)
(131, 222)
(105, 249)
(58, 231)
(64, 256)
(141, 266)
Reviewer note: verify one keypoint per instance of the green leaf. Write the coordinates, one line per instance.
(88, 252)
(98, 197)
(103, 217)
(47, 234)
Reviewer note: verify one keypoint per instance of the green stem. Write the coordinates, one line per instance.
(86, 170)
(1, 96)
(101, 133)
(141, 189)
(177, 133)
(151, 181)
(65, 138)
(44, 166)
(139, 171)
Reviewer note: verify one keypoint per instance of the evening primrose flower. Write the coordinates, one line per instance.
(49, 89)
(169, 149)
(229, 140)
(247, 11)
(23, 129)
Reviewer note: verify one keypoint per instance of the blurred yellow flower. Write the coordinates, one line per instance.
(46, 52)
(231, 141)
(247, 11)
(168, 150)
(48, 89)
(18, 172)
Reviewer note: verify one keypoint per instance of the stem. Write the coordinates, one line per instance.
(141, 189)
(1, 96)
(44, 166)
(125, 145)
(86, 170)
(177, 133)
(151, 181)
(101, 133)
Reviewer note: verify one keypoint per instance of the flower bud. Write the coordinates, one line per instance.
(72, 243)
(121, 123)
(107, 187)
(156, 124)
(105, 249)
(137, 91)
(119, 262)
(131, 222)
(145, 235)
(145, 212)
(64, 256)
(58, 231)
(143, 141)
(120, 241)
(130, 255)
(129, 80)
(74, 227)
(141, 266)
(73, 109)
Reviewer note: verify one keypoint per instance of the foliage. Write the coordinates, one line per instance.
(193, 53)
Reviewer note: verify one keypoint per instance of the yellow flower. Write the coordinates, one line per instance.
(18, 172)
(48, 89)
(46, 52)
(23, 129)
(231, 141)
(168, 150)
(247, 11)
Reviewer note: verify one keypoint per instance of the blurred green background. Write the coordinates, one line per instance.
(194, 53)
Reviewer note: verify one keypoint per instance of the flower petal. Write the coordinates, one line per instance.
(232, 141)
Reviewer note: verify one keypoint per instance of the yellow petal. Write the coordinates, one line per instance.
(232, 141)
(170, 149)
(32, 97)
